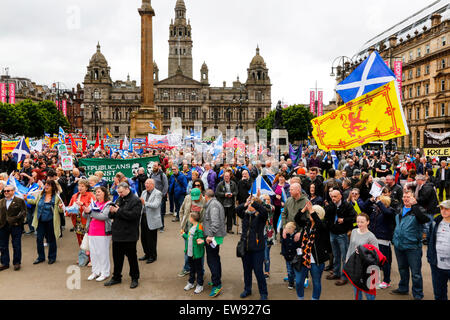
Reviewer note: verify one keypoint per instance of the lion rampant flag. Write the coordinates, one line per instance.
(377, 115)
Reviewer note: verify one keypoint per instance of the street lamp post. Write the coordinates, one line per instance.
(343, 66)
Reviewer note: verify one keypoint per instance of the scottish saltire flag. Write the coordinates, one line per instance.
(94, 207)
(283, 195)
(295, 155)
(217, 147)
(371, 74)
(279, 221)
(122, 153)
(152, 125)
(21, 150)
(21, 190)
(61, 136)
(335, 159)
(271, 177)
(261, 184)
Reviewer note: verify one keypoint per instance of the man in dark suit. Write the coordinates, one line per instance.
(125, 234)
(443, 180)
(12, 215)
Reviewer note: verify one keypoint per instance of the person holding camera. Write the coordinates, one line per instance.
(254, 216)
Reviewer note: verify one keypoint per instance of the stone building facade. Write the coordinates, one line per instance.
(422, 43)
(179, 95)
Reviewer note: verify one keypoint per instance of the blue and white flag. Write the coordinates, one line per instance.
(21, 150)
(217, 147)
(271, 177)
(61, 136)
(283, 195)
(261, 184)
(94, 207)
(122, 153)
(371, 74)
(335, 159)
(279, 222)
(21, 190)
(152, 125)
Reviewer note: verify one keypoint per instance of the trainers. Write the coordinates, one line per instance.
(286, 279)
(383, 285)
(161, 230)
(291, 286)
(101, 278)
(306, 283)
(245, 294)
(92, 277)
(183, 273)
(266, 275)
(210, 284)
(215, 291)
(189, 286)
(198, 289)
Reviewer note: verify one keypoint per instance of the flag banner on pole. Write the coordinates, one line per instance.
(61, 136)
(152, 125)
(335, 159)
(21, 150)
(262, 185)
(108, 133)
(377, 115)
(371, 74)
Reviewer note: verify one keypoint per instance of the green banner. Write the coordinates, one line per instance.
(110, 167)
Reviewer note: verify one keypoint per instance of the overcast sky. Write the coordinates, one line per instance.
(51, 40)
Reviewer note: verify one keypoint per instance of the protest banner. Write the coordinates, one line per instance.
(110, 167)
(67, 163)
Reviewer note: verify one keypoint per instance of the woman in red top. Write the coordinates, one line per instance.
(82, 199)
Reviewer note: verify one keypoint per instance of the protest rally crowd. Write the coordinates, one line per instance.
(338, 215)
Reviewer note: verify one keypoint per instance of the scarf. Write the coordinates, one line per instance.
(307, 242)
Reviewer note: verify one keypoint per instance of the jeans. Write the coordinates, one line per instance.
(213, 260)
(440, 279)
(387, 252)
(30, 213)
(253, 262)
(406, 260)
(358, 295)
(426, 226)
(196, 270)
(267, 256)
(339, 246)
(316, 274)
(187, 266)
(16, 238)
(171, 202)
(46, 229)
(178, 202)
(290, 272)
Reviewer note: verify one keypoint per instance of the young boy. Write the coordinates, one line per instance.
(289, 251)
(195, 249)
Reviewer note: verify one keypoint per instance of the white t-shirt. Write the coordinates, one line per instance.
(443, 246)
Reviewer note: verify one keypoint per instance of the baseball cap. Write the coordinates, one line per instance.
(445, 204)
(301, 171)
(195, 194)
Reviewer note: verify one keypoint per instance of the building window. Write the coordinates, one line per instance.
(116, 129)
(418, 91)
(418, 72)
(427, 112)
(418, 139)
(410, 92)
(427, 69)
(427, 89)
(442, 109)
(204, 116)
(443, 64)
(410, 114)
(427, 48)
(410, 74)
(411, 55)
(417, 113)
(419, 52)
(442, 85)
(97, 94)
(403, 59)
(444, 41)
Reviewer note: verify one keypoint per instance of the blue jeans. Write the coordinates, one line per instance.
(426, 226)
(178, 202)
(267, 257)
(253, 262)
(406, 260)
(46, 229)
(358, 295)
(16, 239)
(316, 274)
(440, 279)
(290, 272)
(339, 246)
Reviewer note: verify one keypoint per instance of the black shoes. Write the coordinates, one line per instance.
(112, 282)
(51, 261)
(176, 220)
(230, 232)
(143, 258)
(329, 268)
(151, 260)
(2, 267)
(398, 292)
(134, 284)
(37, 261)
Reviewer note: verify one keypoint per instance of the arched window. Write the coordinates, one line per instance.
(96, 75)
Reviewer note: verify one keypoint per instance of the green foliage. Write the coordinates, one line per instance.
(31, 119)
(296, 120)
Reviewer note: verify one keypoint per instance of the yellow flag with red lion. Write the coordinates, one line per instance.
(377, 115)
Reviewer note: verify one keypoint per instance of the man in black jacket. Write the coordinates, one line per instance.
(427, 198)
(125, 234)
(339, 217)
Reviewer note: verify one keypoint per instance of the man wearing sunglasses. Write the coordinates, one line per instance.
(12, 215)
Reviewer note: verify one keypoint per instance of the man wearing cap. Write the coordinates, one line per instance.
(151, 220)
(438, 253)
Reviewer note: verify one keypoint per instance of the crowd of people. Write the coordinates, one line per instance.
(322, 215)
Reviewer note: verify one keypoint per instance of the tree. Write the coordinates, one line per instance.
(31, 119)
(296, 119)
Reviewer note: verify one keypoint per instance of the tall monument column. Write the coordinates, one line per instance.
(147, 112)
